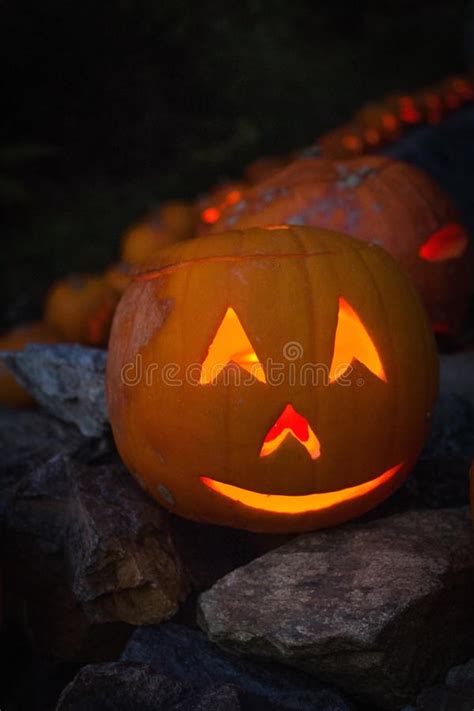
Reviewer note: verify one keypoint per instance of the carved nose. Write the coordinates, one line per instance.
(291, 423)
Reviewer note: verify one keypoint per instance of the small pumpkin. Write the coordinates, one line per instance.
(381, 201)
(378, 126)
(347, 141)
(179, 218)
(11, 392)
(407, 109)
(293, 392)
(80, 308)
(454, 92)
(118, 276)
(265, 167)
(143, 239)
(429, 104)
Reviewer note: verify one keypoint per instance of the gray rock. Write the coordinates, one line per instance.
(457, 375)
(28, 439)
(38, 506)
(440, 698)
(124, 563)
(66, 380)
(84, 550)
(461, 677)
(185, 654)
(35, 572)
(434, 484)
(457, 694)
(452, 433)
(210, 552)
(122, 686)
(440, 479)
(379, 609)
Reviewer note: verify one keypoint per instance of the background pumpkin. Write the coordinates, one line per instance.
(142, 240)
(346, 141)
(118, 276)
(11, 393)
(80, 308)
(178, 218)
(180, 431)
(380, 201)
(264, 167)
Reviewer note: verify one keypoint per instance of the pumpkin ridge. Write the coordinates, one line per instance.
(170, 268)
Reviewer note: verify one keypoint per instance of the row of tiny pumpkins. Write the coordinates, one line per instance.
(371, 128)
(384, 122)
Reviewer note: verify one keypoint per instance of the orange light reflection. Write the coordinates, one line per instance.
(230, 344)
(449, 242)
(233, 197)
(277, 503)
(353, 341)
(210, 215)
(291, 423)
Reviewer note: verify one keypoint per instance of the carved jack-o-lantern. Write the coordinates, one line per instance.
(275, 381)
(378, 200)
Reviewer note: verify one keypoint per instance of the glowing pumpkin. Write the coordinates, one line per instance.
(381, 201)
(179, 218)
(378, 125)
(430, 105)
(118, 276)
(11, 392)
(80, 308)
(406, 108)
(344, 142)
(263, 168)
(143, 239)
(273, 381)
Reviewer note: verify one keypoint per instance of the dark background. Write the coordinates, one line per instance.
(111, 106)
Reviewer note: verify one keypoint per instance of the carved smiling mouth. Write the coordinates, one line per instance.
(284, 504)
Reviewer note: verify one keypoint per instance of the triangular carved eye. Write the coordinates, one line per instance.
(449, 242)
(352, 342)
(230, 344)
